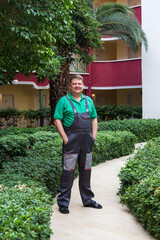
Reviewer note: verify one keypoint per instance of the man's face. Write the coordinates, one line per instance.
(76, 86)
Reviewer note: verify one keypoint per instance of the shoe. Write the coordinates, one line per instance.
(63, 209)
(93, 204)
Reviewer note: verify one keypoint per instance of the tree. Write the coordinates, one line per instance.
(28, 36)
(118, 20)
(41, 35)
(86, 37)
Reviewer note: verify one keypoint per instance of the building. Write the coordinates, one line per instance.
(113, 78)
(151, 60)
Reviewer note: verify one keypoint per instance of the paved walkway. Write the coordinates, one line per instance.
(113, 222)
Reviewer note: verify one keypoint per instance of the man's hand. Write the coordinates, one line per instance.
(94, 127)
(61, 131)
(65, 140)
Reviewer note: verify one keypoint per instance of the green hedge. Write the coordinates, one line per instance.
(28, 181)
(140, 186)
(111, 145)
(19, 131)
(143, 129)
(13, 116)
(25, 211)
(110, 112)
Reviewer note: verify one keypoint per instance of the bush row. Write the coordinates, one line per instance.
(19, 131)
(110, 112)
(143, 129)
(30, 176)
(140, 189)
(12, 116)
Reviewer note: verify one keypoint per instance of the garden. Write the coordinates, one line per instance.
(30, 169)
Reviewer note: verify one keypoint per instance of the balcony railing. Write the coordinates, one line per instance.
(78, 66)
(116, 73)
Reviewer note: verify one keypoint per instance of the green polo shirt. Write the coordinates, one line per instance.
(65, 113)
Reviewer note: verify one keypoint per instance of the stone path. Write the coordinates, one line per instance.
(113, 222)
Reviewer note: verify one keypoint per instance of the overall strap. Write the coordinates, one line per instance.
(74, 109)
(87, 108)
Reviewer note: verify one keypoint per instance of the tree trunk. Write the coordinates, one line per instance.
(59, 87)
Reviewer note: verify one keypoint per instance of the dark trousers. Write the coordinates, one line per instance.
(78, 149)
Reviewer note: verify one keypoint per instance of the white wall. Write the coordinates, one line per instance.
(151, 59)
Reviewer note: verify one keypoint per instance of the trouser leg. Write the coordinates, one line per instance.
(65, 188)
(67, 178)
(85, 161)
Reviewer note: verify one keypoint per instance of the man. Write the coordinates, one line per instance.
(75, 118)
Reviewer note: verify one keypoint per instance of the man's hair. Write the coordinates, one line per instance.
(75, 76)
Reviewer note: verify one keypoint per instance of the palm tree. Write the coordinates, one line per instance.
(118, 20)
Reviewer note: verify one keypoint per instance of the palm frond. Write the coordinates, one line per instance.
(118, 20)
(111, 8)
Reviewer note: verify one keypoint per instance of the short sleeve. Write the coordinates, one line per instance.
(92, 110)
(59, 111)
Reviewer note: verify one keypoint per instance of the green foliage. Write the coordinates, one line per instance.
(25, 211)
(37, 114)
(11, 116)
(18, 131)
(143, 129)
(13, 146)
(118, 20)
(29, 31)
(31, 174)
(140, 188)
(40, 35)
(111, 145)
(110, 112)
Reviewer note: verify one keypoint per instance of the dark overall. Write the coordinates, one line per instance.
(78, 148)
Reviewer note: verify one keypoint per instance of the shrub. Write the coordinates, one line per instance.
(42, 163)
(144, 201)
(18, 131)
(26, 211)
(140, 189)
(111, 112)
(29, 179)
(111, 145)
(143, 129)
(141, 165)
(12, 146)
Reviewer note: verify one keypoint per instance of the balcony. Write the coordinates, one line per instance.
(116, 74)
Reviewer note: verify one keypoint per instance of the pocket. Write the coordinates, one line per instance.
(86, 117)
(69, 161)
(88, 163)
(69, 140)
(92, 138)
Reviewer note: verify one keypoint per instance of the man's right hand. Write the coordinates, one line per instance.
(65, 141)
(61, 131)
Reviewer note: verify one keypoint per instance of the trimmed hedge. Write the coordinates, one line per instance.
(19, 131)
(11, 116)
(28, 181)
(140, 186)
(143, 129)
(111, 112)
(111, 145)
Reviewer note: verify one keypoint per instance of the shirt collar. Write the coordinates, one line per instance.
(70, 96)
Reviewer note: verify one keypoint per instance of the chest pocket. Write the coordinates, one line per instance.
(84, 121)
